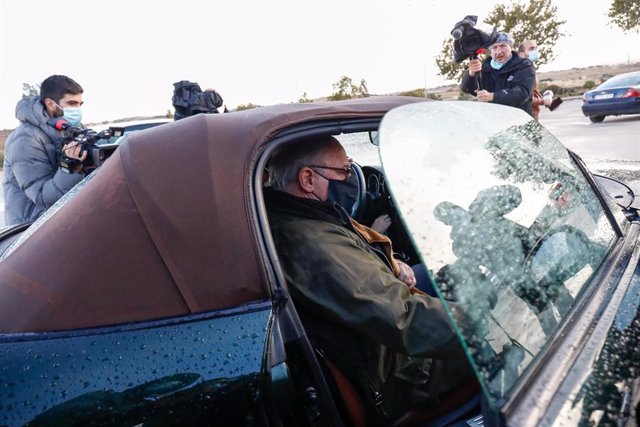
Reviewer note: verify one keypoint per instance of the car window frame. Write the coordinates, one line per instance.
(286, 314)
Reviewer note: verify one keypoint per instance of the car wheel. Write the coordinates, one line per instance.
(596, 119)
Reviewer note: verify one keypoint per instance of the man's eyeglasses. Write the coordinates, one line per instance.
(347, 171)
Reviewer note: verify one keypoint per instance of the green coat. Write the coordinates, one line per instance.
(367, 322)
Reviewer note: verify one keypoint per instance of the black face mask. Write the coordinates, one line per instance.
(344, 193)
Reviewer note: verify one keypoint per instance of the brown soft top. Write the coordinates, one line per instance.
(164, 228)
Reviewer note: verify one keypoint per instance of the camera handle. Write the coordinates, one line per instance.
(478, 75)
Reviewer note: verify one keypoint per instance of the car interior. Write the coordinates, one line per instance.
(368, 198)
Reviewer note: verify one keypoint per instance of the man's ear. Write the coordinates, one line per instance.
(306, 180)
(51, 107)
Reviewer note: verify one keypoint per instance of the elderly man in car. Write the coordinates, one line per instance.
(393, 342)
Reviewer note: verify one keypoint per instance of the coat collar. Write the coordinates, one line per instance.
(283, 202)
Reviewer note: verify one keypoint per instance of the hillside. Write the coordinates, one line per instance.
(572, 80)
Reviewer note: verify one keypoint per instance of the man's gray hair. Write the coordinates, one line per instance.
(286, 163)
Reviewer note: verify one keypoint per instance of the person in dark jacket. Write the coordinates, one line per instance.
(503, 78)
(33, 180)
(392, 341)
(529, 49)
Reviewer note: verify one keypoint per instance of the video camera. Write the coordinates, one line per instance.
(89, 139)
(469, 41)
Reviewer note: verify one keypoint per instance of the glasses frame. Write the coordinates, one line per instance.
(347, 170)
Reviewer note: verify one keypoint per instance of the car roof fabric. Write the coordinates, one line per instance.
(165, 228)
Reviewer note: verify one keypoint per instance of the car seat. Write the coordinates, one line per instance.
(463, 401)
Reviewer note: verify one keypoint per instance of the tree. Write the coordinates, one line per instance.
(29, 90)
(418, 93)
(248, 106)
(304, 99)
(345, 89)
(533, 20)
(625, 14)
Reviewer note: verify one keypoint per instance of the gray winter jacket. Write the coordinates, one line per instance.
(33, 180)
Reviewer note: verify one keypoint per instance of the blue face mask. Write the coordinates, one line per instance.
(344, 193)
(496, 65)
(534, 55)
(72, 115)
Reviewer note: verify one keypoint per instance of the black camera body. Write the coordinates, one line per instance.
(89, 140)
(469, 41)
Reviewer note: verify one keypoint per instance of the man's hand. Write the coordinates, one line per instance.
(382, 223)
(474, 67)
(73, 150)
(406, 274)
(484, 96)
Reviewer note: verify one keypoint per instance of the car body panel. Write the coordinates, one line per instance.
(203, 370)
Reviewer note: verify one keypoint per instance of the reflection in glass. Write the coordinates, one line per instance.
(507, 224)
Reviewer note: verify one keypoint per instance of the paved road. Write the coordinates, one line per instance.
(610, 148)
(617, 139)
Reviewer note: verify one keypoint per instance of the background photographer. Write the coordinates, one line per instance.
(505, 78)
(33, 180)
(529, 49)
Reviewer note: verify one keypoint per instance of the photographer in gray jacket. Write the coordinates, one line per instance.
(33, 179)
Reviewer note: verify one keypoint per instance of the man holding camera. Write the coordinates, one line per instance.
(33, 179)
(503, 78)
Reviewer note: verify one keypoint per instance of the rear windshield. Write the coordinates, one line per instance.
(621, 81)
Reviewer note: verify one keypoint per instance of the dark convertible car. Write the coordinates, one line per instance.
(152, 294)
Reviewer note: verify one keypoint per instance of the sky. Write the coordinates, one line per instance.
(127, 54)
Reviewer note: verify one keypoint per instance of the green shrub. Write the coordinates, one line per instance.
(555, 88)
(419, 93)
(463, 96)
(589, 84)
(248, 106)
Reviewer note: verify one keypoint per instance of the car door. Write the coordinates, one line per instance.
(518, 235)
(184, 371)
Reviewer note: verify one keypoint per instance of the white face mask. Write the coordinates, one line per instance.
(534, 55)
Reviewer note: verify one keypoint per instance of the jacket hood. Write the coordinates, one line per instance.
(33, 112)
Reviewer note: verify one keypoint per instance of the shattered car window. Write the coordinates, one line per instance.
(504, 220)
